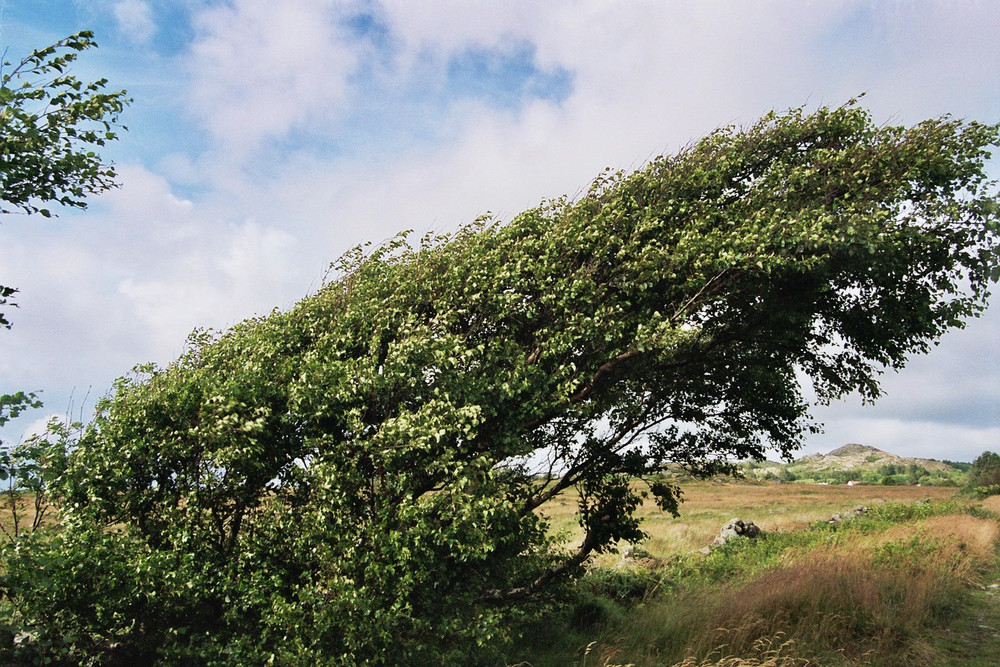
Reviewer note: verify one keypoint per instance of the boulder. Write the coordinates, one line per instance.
(855, 513)
(636, 556)
(737, 528)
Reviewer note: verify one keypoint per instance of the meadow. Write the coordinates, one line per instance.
(907, 583)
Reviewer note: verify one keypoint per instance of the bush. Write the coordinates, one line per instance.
(620, 584)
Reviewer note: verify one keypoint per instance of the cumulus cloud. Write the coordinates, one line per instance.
(128, 281)
(135, 19)
(261, 67)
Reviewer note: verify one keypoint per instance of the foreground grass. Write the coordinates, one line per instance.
(898, 586)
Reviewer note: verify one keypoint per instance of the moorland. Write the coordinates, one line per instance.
(910, 580)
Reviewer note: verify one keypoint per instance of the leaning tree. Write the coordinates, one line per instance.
(363, 478)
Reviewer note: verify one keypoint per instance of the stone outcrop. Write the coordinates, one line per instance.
(737, 528)
(636, 556)
(855, 513)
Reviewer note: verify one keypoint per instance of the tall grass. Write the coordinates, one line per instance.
(839, 606)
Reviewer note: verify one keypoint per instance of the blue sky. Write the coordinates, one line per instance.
(266, 138)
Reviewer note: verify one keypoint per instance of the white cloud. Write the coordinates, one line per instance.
(241, 273)
(128, 281)
(261, 67)
(135, 19)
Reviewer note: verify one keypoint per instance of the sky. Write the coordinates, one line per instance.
(267, 138)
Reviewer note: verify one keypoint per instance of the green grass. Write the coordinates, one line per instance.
(971, 638)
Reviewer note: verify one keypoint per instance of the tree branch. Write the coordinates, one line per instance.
(496, 596)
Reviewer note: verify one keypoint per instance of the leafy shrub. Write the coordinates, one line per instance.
(985, 471)
(988, 490)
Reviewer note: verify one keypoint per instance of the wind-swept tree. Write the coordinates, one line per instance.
(355, 481)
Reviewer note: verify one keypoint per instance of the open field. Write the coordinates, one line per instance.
(912, 583)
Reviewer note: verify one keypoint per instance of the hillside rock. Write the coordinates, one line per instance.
(853, 455)
(856, 461)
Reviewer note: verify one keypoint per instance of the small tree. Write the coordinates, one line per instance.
(356, 480)
(28, 471)
(50, 125)
(984, 476)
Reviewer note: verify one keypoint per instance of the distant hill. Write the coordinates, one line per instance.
(860, 464)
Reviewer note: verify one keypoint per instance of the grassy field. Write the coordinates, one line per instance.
(907, 584)
(708, 506)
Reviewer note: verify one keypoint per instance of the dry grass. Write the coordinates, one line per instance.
(771, 654)
(992, 503)
(844, 605)
(708, 506)
(25, 513)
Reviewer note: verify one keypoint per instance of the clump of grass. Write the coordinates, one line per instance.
(838, 608)
(831, 607)
(601, 655)
(992, 504)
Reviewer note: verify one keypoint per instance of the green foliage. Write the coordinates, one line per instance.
(12, 405)
(30, 470)
(51, 122)
(620, 584)
(354, 481)
(6, 299)
(960, 465)
(805, 470)
(984, 475)
(881, 516)
(50, 125)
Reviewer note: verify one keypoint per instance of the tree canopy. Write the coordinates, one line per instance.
(363, 478)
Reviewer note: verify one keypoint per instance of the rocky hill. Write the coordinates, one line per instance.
(860, 463)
